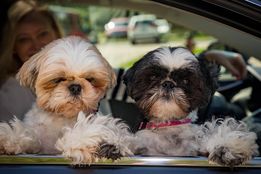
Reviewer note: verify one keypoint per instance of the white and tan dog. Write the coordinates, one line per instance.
(69, 77)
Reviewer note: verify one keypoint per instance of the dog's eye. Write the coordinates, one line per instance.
(58, 80)
(153, 77)
(185, 82)
(90, 79)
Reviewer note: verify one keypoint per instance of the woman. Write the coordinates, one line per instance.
(28, 29)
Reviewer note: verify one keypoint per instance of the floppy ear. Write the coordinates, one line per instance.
(113, 78)
(108, 66)
(128, 77)
(210, 71)
(28, 73)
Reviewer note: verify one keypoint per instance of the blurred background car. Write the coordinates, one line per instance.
(163, 26)
(143, 28)
(117, 27)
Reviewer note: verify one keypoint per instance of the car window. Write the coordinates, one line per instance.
(125, 35)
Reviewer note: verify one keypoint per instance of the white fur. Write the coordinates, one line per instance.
(88, 133)
(176, 59)
(231, 138)
(74, 54)
(78, 139)
(36, 134)
(227, 142)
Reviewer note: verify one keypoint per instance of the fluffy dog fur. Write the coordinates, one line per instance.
(170, 84)
(68, 76)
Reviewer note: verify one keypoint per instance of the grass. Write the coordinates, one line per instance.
(127, 65)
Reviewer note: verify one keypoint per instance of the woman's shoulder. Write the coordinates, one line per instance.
(14, 99)
(12, 88)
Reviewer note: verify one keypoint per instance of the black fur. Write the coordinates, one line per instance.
(198, 80)
(109, 151)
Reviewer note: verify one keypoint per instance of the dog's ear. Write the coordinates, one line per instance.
(210, 71)
(108, 66)
(113, 78)
(128, 78)
(28, 73)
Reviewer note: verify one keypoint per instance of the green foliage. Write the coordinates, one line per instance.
(128, 64)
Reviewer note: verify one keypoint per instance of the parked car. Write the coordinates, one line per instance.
(116, 27)
(143, 28)
(163, 26)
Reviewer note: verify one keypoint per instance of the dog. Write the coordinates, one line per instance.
(69, 77)
(169, 85)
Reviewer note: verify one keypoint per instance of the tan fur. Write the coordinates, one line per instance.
(167, 110)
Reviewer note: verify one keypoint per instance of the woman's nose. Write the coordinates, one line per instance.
(37, 44)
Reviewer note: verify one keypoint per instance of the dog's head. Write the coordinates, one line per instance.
(68, 75)
(169, 83)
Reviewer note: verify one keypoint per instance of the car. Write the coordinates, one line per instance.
(163, 26)
(117, 27)
(143, 28)
(233, 24)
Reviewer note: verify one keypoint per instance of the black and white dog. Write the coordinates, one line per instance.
(169, 85)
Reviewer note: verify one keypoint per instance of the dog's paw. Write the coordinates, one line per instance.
(225, 157)
(9, 140)
(16, 138)
(109, 151)
(3, 150)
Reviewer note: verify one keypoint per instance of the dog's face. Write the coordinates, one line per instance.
(169, 83)
(68, 75)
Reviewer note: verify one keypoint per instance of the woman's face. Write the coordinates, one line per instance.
(32, 35)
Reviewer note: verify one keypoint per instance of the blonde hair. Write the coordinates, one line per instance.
(9, 64)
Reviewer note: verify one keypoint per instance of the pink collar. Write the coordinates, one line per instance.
(152, 125)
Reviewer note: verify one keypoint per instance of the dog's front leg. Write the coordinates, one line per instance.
(229, 142)
(92, 138)
(17, 137)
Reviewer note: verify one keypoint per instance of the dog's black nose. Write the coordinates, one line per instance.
(75, 89)
(168, 85)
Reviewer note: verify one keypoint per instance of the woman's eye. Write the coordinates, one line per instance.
(23, 40)
(43, 33)
(58, 80)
